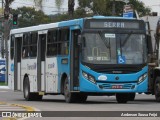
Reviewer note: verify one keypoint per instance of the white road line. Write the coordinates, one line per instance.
(3, 91)
(4, 87)
(8, 107)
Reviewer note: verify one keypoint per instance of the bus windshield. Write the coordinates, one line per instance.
(110, 48)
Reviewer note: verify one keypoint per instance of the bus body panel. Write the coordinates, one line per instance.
(19, 76)
(127, 82)
(77, 22)
(11, 75)
(43, 70)
(51, 75)
(10, 69)
(63, 68)
(29, 68)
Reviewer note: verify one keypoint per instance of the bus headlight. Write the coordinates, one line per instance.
(88, 77)
(142, 78)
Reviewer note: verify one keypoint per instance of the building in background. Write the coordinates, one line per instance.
(153, 4)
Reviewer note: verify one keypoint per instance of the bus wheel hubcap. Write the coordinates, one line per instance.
(66, 90)
(158, 89)
(26, 91)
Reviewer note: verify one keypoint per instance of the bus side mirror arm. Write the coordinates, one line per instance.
(79, 39)
(149, 44)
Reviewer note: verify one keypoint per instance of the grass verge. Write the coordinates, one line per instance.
(3, 84)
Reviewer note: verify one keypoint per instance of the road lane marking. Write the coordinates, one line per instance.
(15, 107)
(3, 91)
(27, 108)
(3, 103)
(4, 87)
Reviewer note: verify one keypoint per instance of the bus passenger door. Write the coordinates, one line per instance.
(41, 60)
(74, 61)
(17, 62)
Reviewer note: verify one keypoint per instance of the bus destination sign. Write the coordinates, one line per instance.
(130, 25)
(119, 24)
(114, 24)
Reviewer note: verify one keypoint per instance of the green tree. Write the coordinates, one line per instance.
(38, 4)
(1, 11)
(58, 4)
(104, 7)
(29, 17)
(7, 4)
(140, 7)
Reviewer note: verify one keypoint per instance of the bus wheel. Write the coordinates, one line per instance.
(37, 97)
(69, 97)
(157, 89)
(131, 96)
(27, 94)
(26, 90)
(122, 97)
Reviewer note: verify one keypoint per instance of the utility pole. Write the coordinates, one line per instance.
(2, 37)
(6, 33)
(113, 8)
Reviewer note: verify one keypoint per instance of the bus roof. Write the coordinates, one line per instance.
(61, 24)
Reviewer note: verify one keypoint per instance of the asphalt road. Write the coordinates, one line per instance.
(93, 103)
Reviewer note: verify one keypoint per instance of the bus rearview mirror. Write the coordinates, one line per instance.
(149, 44)
(81, 41)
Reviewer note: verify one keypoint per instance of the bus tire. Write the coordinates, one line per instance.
(27, 94)
(81, 98)
(26, 90)
(37, 97)
(131, 96)
(122, 97)
(69, 97)
(157, 89)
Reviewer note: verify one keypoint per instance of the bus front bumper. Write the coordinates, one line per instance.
(103, 87)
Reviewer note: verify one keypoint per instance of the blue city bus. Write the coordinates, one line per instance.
(76, 58)
(2, 70)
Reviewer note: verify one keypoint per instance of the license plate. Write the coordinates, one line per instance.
(117, 86)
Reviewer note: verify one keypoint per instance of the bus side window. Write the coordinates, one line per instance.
(52, 43)
(33, 44)
(63, 46)
(25, 47)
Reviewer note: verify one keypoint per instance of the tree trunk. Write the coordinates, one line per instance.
(7, 27)
(71, 8)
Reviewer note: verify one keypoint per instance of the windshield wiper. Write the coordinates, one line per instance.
(127, 38)
(106, 43)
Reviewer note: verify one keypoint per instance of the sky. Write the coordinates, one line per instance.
(49, 8)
